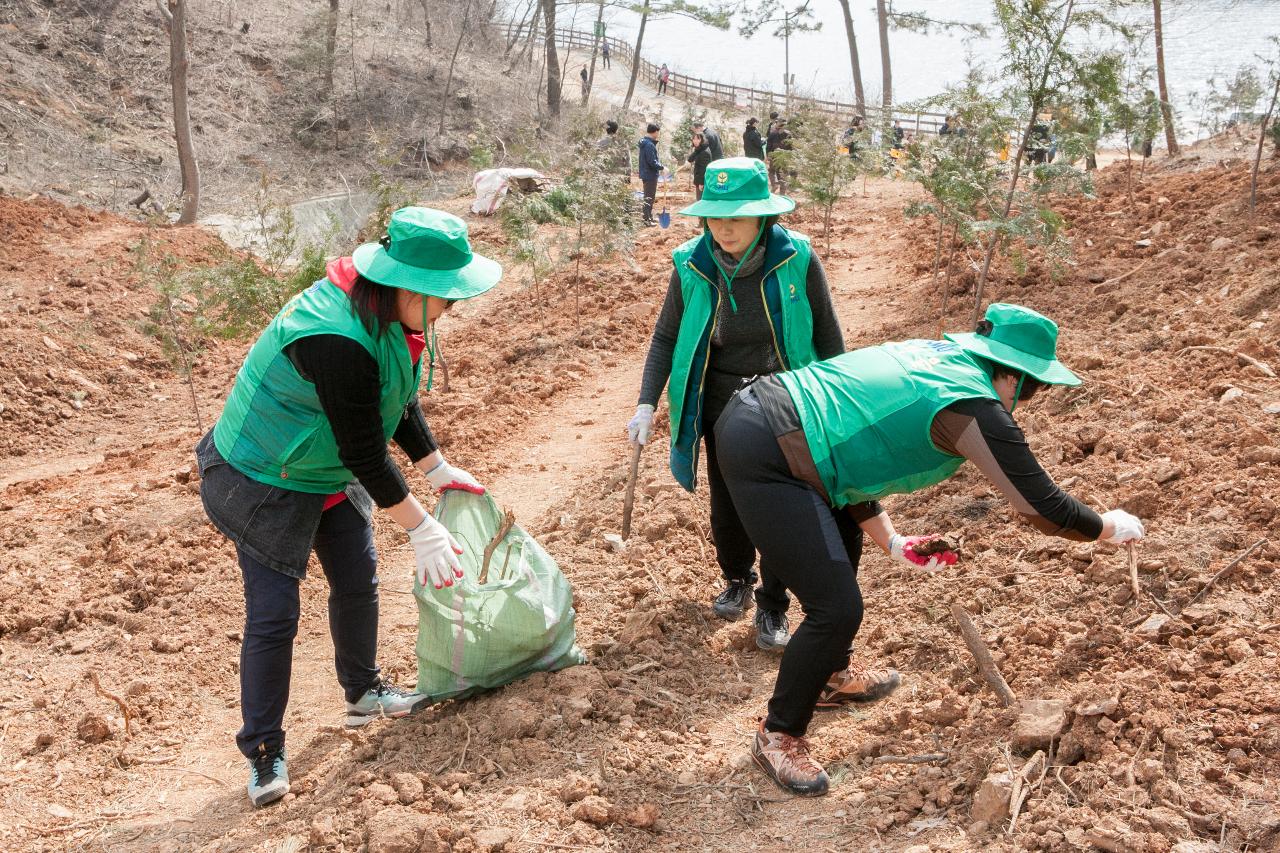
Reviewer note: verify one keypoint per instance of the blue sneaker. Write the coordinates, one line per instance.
(268, 775)
(384, 700)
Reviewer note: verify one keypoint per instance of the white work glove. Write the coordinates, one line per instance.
(436, 553)
(640, 425)
(445, 476)
(1124, 527)
(901, 549)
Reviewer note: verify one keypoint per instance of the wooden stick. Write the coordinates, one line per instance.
(927, 758)
(986, 665)
(1121, 277)
(508, 521)
(124, 708)
(1247, 359)
(630, 502)
(1133, 572)
(1228, 567)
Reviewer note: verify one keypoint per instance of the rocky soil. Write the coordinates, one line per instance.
(1146, 724)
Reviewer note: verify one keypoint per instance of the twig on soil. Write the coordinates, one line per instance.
(1133, 573)
(986, 664)
(1228, 567)
(1098, 287)
(1160, 604)
(927, 758)
(508, 521)
(221, 782)
(124, 708)
(1247, 359)
(186, 360)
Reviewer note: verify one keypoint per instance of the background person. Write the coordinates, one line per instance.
(699, 156)
(330, 381)
(807, 454)
(615, 156)
(664, 75)
(649, 168)
(712, 138)
(752, 142)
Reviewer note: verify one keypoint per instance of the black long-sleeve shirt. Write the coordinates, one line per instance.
(350, 391)
(743, 343)
(752, 144)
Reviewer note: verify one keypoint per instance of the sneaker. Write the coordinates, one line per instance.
(771, 630)
(856, 683)
(268, 775)
(785, 760)
(734, 601)
(384, 700)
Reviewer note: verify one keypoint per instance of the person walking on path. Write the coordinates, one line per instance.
(615, 157)
(699, 156)
(664, 75)
(650, 169)
(779, 139)
(898, 135)
(586, 83)
(752, 143)
(807, 455)
(299, 456)
(604, 55)
(746, 298)
(712, 138)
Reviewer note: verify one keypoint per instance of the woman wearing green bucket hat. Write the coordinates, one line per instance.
(300, 454)
(746, 298)
(807, 455)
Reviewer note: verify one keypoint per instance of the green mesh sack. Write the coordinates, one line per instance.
(474, 636)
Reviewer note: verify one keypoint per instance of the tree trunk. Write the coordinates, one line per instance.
(426, 16)
(635, 58)
(595, 50)
(1037, 99)
(533, 28)
(448, 80)
(858, 96)
(175, 16)
(1170, 137)
(330, 47)
(553, 60)
(886, 72)
(1262, 138)
(519, 30)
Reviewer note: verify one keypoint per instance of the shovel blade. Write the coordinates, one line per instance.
(664, 219)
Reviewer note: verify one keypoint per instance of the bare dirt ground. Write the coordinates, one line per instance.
(109, 571)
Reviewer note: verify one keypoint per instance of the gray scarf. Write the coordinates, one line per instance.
(750, 266)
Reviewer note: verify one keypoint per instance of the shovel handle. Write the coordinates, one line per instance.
(629, 503)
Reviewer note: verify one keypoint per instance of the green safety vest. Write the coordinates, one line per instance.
(867, 415)
(273, 429)
(785, 293)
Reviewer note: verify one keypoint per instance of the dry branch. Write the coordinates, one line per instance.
(1245, 359)
(986, 665)
(508, 521)
(1228, 567)
(1133, 572)
(926, 758)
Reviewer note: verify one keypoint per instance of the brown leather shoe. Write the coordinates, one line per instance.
(785, 760)
(857, 683)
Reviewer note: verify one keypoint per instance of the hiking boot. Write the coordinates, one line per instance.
(771, 630)
(384, 700)
(268, 775)
(734, 601)
(785, 760)
(856, 683)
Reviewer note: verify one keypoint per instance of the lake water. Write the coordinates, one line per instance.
(1203, 38)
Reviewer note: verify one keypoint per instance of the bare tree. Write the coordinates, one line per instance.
(1262, 138)
(595, 50)
(553, 59)
(635, 57)
(886, 71)
(448, 80)
(426, 15)
(330, 47)
(174, 14)
(1170, 138)
(713, 16)
(858, 96)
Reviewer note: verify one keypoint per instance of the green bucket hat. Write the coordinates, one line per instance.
(426, 251)
(738, 186)
(1020, 338)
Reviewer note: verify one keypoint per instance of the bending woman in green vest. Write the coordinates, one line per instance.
(747, 298)
(299, 456)
(807, 455)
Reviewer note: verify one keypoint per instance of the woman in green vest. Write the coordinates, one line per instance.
(746, 298)
(300, 455)
(808, 454)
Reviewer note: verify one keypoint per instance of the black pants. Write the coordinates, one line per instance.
(344, 546)
(735, 549)
(813, 549)
(662, 87)
(650, 186)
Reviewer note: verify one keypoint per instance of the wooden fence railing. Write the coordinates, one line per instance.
(757, 102)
